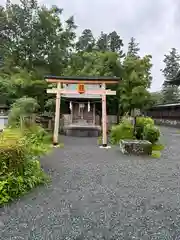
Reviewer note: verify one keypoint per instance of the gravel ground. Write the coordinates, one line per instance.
(101, 194)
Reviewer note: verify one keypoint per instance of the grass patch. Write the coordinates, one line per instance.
(158, 147)
(156, 154)
(156, 150)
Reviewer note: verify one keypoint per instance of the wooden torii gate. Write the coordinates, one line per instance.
(81, 81)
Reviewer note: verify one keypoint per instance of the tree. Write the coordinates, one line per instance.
(93, 64)
(171, 61)
(102, 42)
(34, 41)
(115, 43)
(5, 91)
(136, 81)
(34, 37)
(86, 41)
(156, 98)
(170, 94)
(96, 64)
(133, 48)
(110, 42)
(22, 108)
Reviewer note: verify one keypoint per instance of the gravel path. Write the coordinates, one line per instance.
(101, 194)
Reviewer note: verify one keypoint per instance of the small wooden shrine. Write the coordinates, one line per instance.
(80, 91)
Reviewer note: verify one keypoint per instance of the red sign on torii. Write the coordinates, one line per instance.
(81, 88)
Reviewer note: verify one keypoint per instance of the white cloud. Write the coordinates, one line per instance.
(153, 23)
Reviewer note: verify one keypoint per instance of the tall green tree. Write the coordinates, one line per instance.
(86, 41)
(102, 42)
(172, 65)
(115, 43)
(133, 48)
(93, 64)
(35, 37)
(135, 83)
(110, 42)
(156, 98)
(34, 41)
(97, 63)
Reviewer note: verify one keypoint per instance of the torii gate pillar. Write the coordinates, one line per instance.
(57, 116)
(104, 119)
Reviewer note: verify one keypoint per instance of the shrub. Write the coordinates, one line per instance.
(12, 186)
(124, 130)
(144, 121)
(21, 110)
(151, 133)
(13, 152)
(141, 122)
(20, 170)
(36, 134)
(11, 134)
(39, 140)
(33, 174)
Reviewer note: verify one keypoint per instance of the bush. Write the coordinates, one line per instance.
(13, 186)
(144, 121)
(20, 170)
(39, 140)
(141, 122)
(124, 130)
(13, 152)
(21, 110)
(36, 134)
(144, 129)
(151, 133)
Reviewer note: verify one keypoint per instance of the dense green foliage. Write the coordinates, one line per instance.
(20, 146)
(12, 152)
(124, 130)
(13, 186)
(170, 93)
(151, 133)
(20, 169)
(133, 48)
(34, 41)
(141, 122)
(22, 111)
(144, 130)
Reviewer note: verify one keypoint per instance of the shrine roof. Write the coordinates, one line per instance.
(76, 79)
(169, 105)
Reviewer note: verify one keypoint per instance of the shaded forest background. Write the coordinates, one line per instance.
(35, 41)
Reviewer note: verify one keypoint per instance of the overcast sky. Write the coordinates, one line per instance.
(155, 24)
